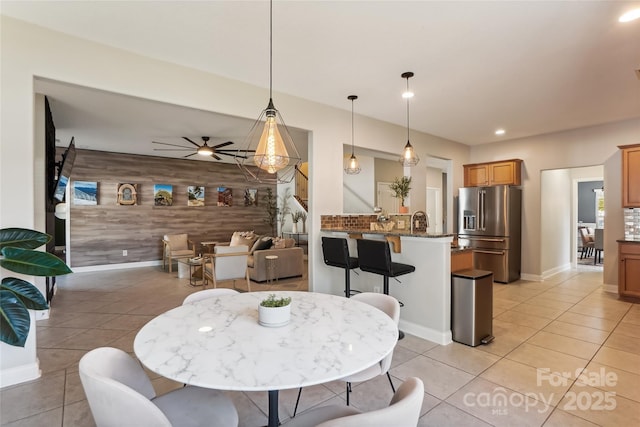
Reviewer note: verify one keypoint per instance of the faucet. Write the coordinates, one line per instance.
(414, 222)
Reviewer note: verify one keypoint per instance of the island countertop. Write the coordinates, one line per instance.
(403, 233)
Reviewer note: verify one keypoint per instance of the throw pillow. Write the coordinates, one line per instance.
(278, 243)
(243, 238)
(289, 243)
(261, 244)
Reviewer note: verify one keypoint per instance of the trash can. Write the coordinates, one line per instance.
(472, 307)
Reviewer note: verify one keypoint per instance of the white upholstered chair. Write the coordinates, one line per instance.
(207, 293)
(403, 411)
(391, 307)
(228, 263)
(176, 246)
(120, 394)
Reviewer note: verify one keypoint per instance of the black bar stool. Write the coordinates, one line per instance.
(336, 254)
(374, 256)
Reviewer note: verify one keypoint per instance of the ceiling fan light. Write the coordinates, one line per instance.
(205, 151)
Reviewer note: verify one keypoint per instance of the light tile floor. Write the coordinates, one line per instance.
(531, 375)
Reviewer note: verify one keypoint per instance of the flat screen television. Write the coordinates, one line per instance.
(64, 171)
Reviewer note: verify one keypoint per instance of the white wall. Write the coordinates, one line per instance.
(361, 184)
(555, 221)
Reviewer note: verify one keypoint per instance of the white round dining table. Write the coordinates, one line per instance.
(218, 343)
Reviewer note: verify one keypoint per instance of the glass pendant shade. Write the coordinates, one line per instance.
(271, 154)
(353, 168)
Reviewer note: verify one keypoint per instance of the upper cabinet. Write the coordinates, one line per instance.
(631, 176)
(504, 172)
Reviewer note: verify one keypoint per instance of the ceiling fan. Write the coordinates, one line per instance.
(214, 151)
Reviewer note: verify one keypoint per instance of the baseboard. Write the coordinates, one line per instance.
(20, 374)
(531, 277)
(556, 270)
(442, 338)
(106, 267)
(610, 288)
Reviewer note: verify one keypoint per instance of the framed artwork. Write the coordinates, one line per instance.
(127, 194)
(225, 198)
(85, 193)
(251, 197)
(195, 196)
(163, 195)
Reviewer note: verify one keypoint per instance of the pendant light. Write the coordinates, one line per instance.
(409, 156)
(353, 168)
(271, 156)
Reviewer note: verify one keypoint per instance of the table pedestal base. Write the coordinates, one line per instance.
(274, 419)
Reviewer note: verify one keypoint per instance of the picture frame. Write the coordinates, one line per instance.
(225, 196)
(251, 197)
(195, 195)
(163, 195)
(128, 194)
(85, 193)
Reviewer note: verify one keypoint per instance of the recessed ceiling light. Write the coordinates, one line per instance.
(630, 16)
(500, 132)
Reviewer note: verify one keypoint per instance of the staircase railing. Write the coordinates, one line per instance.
(302, 189)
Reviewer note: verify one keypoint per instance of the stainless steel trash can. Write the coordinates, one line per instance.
(472, 307)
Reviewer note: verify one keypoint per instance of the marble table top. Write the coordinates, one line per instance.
(218, 343)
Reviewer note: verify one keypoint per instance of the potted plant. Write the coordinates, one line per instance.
(400, 187)
(18, 296)
(271, 208)
(295, 217)
(274, 312)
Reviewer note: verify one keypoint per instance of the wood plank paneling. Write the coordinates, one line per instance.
(100, 233)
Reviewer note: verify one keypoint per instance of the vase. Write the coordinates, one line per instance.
(294, 228)
(274, 317)
(403, 209)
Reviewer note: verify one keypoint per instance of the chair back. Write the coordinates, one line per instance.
(336, 252)
(231, 266)
(208, 293)
(374, 256)
(118, 390)
(584, 236)
(403, 410)
(388, 305)
(177, 242)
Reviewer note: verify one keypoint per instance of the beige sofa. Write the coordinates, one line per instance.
(290, 262)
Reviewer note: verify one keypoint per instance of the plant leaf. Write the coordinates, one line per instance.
(22, 238)
(35, 263)
(14, 321)
(27, 293)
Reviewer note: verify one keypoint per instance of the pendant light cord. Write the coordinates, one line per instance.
(271, 49)
(352, 127)
(408, 110)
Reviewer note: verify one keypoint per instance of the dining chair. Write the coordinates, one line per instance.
(176, 246)
(228, 263)
(403, 411)
(120, 393)
(587, 242)
(391, 307)
(207, 293)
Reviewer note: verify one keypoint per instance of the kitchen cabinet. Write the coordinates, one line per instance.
(629, 268)
(630, 176)
(504, 172)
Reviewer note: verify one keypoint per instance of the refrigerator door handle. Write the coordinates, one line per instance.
(489, 252)
(482, 211)
(483, 239)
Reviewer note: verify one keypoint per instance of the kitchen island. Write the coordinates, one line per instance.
(426, 293)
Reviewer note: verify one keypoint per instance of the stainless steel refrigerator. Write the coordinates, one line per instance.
(489, 221)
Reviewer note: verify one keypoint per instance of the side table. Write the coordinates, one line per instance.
(195, 266)
(272, 268)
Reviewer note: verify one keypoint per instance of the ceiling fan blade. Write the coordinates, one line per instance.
(189, 155)
(224, 144)
(234, 155)
(235, 151)
(173, 149)
(216, 157)
(173, 145)
(187, 139)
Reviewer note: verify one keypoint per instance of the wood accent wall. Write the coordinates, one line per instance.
(100, 233)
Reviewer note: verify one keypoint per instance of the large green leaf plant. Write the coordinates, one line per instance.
(17, 296)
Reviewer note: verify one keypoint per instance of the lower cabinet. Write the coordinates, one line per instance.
(629, 268)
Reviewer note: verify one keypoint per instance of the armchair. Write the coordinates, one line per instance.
(176, 246)
(227, 263)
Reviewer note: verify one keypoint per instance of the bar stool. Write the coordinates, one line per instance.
(374, 256)
(336, 254)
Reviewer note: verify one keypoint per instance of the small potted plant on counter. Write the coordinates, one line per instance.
(400, 187)
(274, 312)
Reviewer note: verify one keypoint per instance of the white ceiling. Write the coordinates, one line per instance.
(532, 67)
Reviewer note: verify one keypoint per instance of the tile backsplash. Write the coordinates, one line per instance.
(632, 224)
